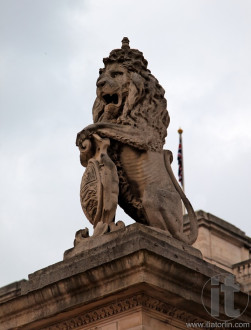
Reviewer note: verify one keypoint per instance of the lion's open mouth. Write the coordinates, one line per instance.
(111, 99)
(113, 105)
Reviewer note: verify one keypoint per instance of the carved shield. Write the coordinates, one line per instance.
(100, 187)
(91, 192)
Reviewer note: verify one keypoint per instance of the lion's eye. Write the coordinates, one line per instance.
(116, 73)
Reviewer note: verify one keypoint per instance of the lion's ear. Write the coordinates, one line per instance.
(136, 88)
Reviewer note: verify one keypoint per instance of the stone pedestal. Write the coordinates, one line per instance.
(135, 278)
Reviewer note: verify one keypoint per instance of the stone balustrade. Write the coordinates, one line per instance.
(242, 272)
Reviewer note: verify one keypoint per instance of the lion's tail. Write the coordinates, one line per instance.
(192, 236)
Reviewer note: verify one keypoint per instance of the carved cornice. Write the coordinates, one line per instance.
(123, 305)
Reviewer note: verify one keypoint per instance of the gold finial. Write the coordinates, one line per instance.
(180, 131)
(125, 43)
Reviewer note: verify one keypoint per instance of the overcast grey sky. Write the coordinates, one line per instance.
(50, 54)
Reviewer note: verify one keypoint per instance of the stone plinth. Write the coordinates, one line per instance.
(135, 278)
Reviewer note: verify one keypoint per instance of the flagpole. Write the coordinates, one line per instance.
(181, 166)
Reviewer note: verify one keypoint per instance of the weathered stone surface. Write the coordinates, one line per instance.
(242, 272)
(220, 242)
(134, 172)
(224, 245)
(128, 236)
(139, 279)
(10, 291)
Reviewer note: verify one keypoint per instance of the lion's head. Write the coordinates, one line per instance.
(128, 94)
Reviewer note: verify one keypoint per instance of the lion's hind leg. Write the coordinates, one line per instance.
(162, 208)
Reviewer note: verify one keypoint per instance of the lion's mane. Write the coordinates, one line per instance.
(146, 106)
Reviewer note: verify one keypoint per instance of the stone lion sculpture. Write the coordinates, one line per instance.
(123, 151)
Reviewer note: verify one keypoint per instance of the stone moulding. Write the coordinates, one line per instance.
(116, 307)
(95, 252)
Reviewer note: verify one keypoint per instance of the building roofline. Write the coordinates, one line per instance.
(222, 224)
